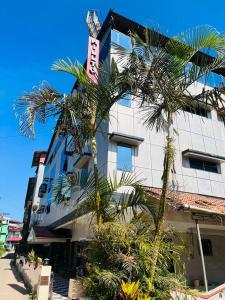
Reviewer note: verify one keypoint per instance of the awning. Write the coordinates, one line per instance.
(125, 138)
(203, 155)
(42, 235)
(14, 239)
(82, 160)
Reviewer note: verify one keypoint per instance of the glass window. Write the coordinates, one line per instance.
(124, 157)
(62, 162)
(203, 165)
(105, 48)
(200, 111)
(125, 101)
(121, 39)
(51, 185)
(83, 177)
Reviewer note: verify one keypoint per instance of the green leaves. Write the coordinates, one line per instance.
(119, 263)
(39, 104)
(163, 70)
(117, 196)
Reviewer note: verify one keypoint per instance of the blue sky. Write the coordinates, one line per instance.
(34, 34)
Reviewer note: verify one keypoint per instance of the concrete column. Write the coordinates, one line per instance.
(202, 256)
(44, 283)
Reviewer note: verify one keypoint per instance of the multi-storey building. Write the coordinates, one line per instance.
(14, 233)
(3, 230)
(32, 199)
(10, 232)
(127, 145)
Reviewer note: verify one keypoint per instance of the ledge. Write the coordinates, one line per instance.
(203, 155)
(82, 160)
(125, 138)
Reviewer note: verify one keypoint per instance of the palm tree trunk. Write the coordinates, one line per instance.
(170, 155)
(96, 176)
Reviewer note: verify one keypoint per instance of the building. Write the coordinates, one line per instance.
(14, 234)
(198, 206)
(3, 230)
(32, 199)
(10, 232)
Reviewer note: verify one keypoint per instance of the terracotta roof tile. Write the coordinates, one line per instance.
(176, 199)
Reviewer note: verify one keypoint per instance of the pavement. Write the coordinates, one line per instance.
(11, 285)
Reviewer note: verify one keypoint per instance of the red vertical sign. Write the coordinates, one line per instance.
(93, 59)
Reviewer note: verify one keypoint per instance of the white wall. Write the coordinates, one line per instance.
(194, 132)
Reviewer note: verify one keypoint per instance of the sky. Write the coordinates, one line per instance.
(33, 34)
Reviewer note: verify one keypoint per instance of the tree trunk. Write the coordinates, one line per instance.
(96, 177)
(169, 155)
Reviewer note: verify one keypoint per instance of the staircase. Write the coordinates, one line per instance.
(60, 288)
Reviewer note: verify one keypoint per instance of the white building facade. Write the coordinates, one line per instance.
(125, 144)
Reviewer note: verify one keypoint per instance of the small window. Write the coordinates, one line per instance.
(83, 177)
(207, 247)
(124, 157)
(200, 111)
(203, 165)
(125, 101)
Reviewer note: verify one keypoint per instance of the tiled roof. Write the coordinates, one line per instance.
(176, 199)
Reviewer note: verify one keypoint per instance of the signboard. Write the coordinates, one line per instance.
(93, 59)
(44, 280)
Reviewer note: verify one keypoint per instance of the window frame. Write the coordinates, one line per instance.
(204, 163)
(124, 169)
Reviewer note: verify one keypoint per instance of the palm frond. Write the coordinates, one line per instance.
(67, 66)
(38, 105)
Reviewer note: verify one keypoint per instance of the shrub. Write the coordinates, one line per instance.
(120, 257)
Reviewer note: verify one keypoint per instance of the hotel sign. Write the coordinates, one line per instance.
(93, 59)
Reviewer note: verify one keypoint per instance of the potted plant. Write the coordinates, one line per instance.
(37, 262)
(31, 257)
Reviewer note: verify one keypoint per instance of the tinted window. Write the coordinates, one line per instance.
(124, 157)
(105, 48)
(203, 165)
(83, 177)
(51, 185)
(200, 111)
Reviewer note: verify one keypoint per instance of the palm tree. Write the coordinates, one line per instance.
(80, 113)
(117, 196)
(160, 73)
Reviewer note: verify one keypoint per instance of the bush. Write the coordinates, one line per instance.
(122, 253)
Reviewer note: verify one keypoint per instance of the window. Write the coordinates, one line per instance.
(121, 39)
(51, 185)
(105, 48)
(125, 101)
(84, 176)
(124, 157)
(200, 111)
(56, 148)
(207, 247)
(203, 165)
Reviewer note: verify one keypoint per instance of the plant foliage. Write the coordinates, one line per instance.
(119, 262)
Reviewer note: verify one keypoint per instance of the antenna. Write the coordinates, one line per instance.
(93, 23)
